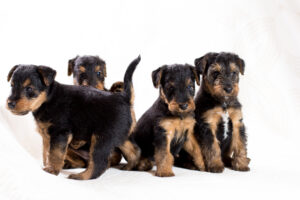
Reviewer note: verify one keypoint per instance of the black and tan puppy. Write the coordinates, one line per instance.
(168, 124)
(91, 71)
(72, 115)
(220, 129)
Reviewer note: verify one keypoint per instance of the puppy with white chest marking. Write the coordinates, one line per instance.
(220, 129)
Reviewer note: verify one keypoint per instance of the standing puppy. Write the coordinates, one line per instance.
(220, 129)
(168, 124)
(69, 115)
(91, 71)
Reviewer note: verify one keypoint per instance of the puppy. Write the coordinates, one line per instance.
(168, 124)
(220, 130)
(72, 115)
(91, 71)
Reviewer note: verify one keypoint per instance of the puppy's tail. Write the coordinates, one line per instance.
(128, 87)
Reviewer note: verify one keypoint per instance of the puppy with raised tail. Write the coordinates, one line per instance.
(68, 115)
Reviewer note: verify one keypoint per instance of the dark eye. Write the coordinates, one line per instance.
(29, 92)
(99, 74)
(190, 87)
(234, 73)
(215, 74)
(28, 89)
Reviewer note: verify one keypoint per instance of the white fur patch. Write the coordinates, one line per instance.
(225, 117)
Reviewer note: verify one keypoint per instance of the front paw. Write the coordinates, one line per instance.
(51, 170)
(75, 177)
(216, 169)
(241, 164)
(164, 173)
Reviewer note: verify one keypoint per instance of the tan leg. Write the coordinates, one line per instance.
(240, 161)
(131, 153)
(164, 160)
(73, 160)
(193, 148)
(212, 152)
(115, 158)
(57, 154)
(98, 159)
(46, 147)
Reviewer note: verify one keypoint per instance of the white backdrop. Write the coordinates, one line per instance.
(264, 33)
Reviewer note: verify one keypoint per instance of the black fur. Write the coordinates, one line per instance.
(148, 134)
(81, 112)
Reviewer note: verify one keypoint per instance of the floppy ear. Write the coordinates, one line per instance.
(47, 74)
(201, 63)
(11, 72)
(196, 73)
(240, 63)
(156, 76)
(71, 65)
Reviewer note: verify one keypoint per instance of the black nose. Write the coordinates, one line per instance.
(11, 104)
(183, 106)
(228, 89)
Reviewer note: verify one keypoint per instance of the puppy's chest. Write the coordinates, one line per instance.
(177, 128)
(219, 121)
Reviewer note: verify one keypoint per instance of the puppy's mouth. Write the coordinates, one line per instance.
(19, 112)
(176, 110)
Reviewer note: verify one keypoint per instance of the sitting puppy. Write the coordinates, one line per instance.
(91, 71)
(168, 124)
(72, 115)
(220, 130)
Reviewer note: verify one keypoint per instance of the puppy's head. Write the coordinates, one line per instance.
(29, 86)
(221, 73)
(88, 71)
(177, 86)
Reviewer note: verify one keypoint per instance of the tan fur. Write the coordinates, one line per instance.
(164, 161)
(25, 105)
(76, 144)
(87, 174)
(213, 156)
(237, 147)
(114, 158)
(117, 87)
(191, 146)
(73, 160)
(100, 85)
(233, 67)
(131, 153)
(26, 82)
(173, 106)
(82, 69)
(144, 164)
(56, 157)
(42, 128)
(97, 68)
(163, 157)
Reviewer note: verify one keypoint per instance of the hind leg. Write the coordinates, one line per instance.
(99, 153)
(115, 157)
(131, 153)
(73, 160)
